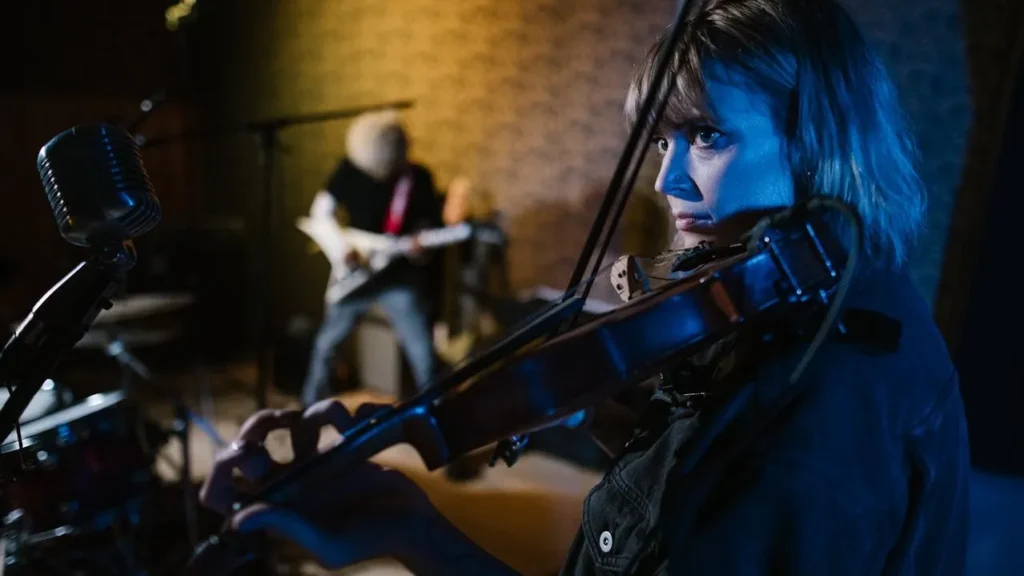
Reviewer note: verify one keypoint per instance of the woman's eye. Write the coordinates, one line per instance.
(705, 137)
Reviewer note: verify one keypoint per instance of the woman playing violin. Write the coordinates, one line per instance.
(865, 471)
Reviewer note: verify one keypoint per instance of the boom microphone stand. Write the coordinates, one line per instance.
(266, 133)
(57, 322)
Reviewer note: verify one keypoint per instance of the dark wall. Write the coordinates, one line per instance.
(68, 63)
(994, 43)
(989, 354)
(977, 307)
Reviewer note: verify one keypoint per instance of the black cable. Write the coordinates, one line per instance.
(844, 282)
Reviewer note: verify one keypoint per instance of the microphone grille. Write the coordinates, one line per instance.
(97, 186)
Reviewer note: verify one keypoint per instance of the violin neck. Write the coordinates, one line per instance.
(409, 423)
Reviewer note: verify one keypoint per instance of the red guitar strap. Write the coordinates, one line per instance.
(399, 203)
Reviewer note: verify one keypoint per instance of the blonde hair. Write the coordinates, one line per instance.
(377, 144)
(846, 133)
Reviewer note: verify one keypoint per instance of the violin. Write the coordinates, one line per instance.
(791, 264)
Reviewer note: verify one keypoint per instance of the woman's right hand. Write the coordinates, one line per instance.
(369, 512)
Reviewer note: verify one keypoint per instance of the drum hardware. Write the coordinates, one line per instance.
(115, 344)
(56, 323)
(107, 548)
(87, 474)
(50, 398)
(115, 340)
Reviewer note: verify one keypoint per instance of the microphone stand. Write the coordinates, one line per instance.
(266, 133)
(57, 322)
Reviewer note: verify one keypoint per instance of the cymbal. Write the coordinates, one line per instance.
(100, 338)
(137, 306)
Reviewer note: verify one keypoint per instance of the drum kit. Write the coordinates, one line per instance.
(79, 476)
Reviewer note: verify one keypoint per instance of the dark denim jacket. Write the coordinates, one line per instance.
(863, 471)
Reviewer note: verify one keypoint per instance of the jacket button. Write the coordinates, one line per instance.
(605, 541)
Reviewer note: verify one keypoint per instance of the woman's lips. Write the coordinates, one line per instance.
(685, 222)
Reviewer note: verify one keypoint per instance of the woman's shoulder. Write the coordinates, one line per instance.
(889, 365)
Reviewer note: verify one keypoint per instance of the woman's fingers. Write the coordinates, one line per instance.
(247, 455)
(218, 491)
(259, 425)
(306, 432)
(369, 409)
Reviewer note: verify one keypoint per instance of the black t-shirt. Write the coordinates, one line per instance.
(366, 201)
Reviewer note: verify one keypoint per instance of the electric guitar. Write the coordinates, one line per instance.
(377, 252)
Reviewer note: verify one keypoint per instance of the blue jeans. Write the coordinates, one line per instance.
(404, 308)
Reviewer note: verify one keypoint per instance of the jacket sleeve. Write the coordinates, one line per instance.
(781, 523)
(823, 513)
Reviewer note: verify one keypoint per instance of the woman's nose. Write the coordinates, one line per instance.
(674, 180)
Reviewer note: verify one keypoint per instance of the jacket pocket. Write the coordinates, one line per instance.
(616, 523)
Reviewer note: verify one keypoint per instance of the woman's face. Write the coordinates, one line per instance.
(710, 173)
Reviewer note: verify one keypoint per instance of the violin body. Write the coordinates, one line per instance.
(782, 269)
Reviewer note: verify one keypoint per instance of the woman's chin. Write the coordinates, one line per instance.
(686, 239)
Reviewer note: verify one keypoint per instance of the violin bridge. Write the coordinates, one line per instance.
(629, 279)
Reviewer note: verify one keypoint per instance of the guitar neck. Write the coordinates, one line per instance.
(436, 237)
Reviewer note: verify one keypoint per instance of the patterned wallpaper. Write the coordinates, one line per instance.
(524, 98)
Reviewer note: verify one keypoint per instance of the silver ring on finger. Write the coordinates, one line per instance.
(244, 445)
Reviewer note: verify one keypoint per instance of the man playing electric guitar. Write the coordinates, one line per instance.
(380, 192)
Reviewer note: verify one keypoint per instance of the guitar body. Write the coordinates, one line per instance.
(342, 286)
(378, 252)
